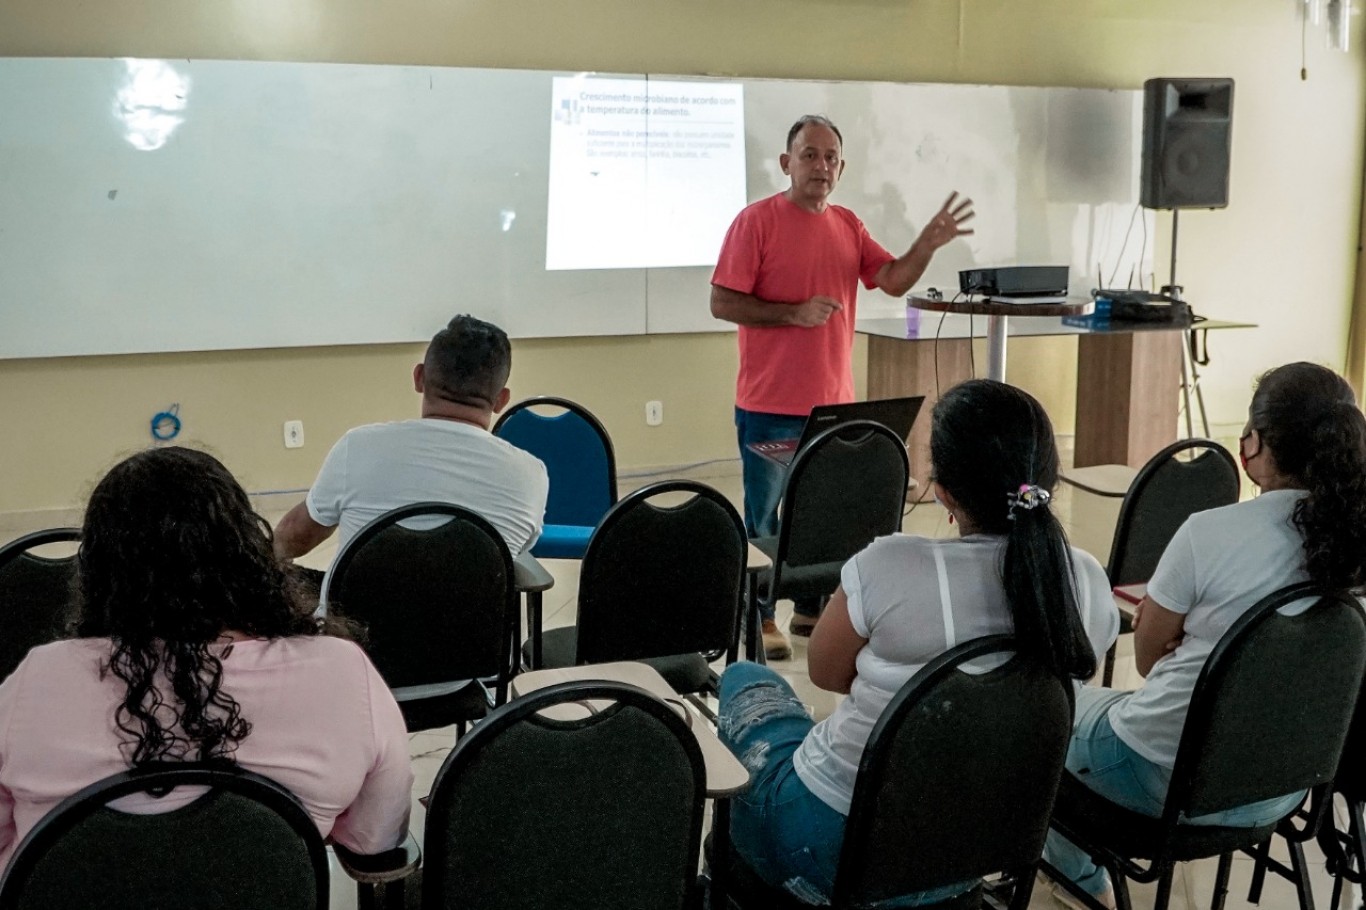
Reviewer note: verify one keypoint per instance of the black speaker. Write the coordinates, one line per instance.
(1187, 134)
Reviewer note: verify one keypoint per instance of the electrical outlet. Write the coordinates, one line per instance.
(294, 434)
(654, 413)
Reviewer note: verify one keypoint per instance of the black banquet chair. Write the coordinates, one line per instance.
(843, 489)
(1268, 717)
(1344, 849)
(1186, 477)
(956, 783)
(35, 593)
(244, 844)
(439, 606)
(597, 810)
(662, 583)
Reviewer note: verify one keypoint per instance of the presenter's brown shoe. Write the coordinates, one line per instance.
(801, 626)
(776, 646)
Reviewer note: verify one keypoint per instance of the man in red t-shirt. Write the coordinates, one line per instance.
(788, 275)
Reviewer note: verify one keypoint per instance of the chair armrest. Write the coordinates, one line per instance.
(380, 868)
(1111, 480)
(529, 575)
(531, 579)
(756, 560)
(766, 545)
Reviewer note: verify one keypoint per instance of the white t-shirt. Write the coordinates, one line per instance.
(913, 598)
(1219, 564)
(381, 466)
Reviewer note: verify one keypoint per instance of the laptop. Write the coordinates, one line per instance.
(897, 414)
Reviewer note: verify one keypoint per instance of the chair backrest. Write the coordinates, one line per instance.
(1272, 705)
(844, 488)
(661, 579)
(577, 453)
(959, 775)
(601, 812)
(247, 842)
(439, 604)
(1351, 777)
(35, 592)
(1165, 492)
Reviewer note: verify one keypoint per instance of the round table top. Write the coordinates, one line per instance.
(1072, 306)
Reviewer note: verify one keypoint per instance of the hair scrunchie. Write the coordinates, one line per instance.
(1028, 497)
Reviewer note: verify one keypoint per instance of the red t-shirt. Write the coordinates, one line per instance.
(783, 253)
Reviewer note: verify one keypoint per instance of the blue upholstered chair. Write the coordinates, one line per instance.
(582, 465)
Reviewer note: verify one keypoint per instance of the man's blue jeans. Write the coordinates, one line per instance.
(763, 480)
(763, 477)
(1103, 762)
(787, 835)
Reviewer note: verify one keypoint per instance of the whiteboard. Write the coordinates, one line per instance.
(151, 206)
(293, 205)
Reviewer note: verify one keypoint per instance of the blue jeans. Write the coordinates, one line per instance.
(784, 832)
(763, 479)
(1103, 762)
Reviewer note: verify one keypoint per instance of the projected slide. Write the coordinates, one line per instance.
(643, 173)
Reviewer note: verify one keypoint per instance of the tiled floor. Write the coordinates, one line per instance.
(1089, 521)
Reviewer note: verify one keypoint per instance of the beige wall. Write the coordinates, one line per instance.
(1282, 255)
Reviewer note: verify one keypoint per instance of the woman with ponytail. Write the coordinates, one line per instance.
(1305, 447)
(901, 603)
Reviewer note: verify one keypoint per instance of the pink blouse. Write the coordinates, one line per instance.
(323, 724)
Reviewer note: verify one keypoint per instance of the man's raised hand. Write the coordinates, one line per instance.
(947, 223)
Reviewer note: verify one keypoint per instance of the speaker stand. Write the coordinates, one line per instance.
(1190, 373)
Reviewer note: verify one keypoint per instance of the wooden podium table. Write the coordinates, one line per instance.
(1128, 376)
(998, 313)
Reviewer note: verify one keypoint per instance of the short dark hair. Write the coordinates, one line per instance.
(468, 362)
(818, 120)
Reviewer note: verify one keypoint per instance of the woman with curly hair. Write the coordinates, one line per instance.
(1305, 447)
(193, 647)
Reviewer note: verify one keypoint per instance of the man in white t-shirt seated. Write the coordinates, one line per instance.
(446, 455)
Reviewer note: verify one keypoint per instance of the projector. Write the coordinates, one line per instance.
(1015, 281)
